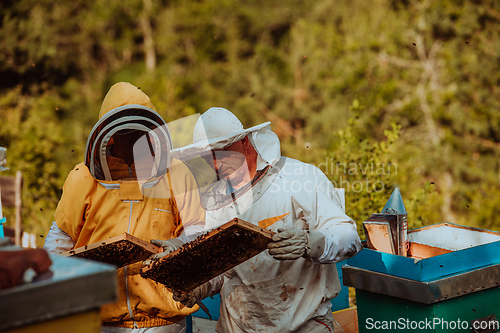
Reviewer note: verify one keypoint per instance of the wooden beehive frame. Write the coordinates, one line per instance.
(120, 250)
(422, 251)
(209, 255)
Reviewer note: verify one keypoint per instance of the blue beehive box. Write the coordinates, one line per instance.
(451, 277)
(462, 248)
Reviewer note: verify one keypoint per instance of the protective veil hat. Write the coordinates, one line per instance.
(215, 129)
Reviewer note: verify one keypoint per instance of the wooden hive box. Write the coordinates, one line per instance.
(209, 255)
(120, 250)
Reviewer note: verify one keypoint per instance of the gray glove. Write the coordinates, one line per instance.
(296, 243)
(168, 246)
(190, 299)
(187, 299)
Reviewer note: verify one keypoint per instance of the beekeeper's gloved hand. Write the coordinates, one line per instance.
(168, 246)
(187, 299)
(296, 243)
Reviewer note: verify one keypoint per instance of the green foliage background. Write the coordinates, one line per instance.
(378, 94)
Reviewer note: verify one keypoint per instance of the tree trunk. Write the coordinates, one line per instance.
(147, 32)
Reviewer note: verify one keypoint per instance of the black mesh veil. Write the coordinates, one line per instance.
(133, 134)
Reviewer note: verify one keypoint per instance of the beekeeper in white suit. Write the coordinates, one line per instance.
(288, 287)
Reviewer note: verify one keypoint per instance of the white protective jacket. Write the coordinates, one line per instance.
(268, 295)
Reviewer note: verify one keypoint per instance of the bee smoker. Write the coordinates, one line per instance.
(395, 216)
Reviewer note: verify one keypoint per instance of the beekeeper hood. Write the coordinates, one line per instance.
(130, 140)
(215, 130)
(218, 128)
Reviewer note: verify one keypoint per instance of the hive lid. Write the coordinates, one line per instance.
(71, 287)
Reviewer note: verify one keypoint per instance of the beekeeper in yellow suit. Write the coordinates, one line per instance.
(102, 198)
(288, 287)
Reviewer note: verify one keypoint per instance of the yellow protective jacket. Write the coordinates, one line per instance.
(92, 210)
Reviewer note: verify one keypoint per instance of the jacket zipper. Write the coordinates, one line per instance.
(129, 306)
(125, 270)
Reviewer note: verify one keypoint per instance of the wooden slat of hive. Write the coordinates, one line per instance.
(120, 250)
(209, 255)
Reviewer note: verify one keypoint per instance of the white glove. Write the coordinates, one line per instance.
(168, 246)
(296, 243)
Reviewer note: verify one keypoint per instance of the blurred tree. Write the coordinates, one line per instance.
(409, 83)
